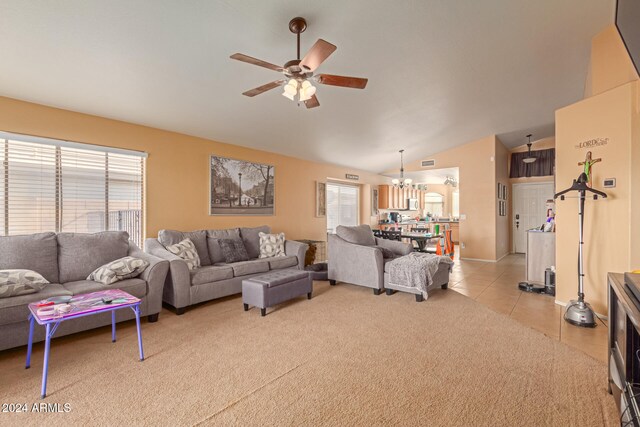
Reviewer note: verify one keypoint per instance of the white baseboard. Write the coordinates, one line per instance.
(484, 260)
(503, 256)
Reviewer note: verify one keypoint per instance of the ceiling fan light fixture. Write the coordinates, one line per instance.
(299, 70)
(291, 87)
(307, 91)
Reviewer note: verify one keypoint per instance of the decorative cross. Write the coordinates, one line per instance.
(588, 164)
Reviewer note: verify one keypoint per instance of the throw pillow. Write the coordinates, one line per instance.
(386, 253)
(120, 269)
(20, 282)
(187, 251)
(271, 245)
(233, 250)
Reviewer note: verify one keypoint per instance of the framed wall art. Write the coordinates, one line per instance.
(321, 199)
(239, 187)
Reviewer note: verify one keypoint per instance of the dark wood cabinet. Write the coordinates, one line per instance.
(624, 346)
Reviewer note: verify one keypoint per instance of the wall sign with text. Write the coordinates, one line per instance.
(351, 176)
(595, 142)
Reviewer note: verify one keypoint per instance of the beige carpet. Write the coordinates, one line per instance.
(346, 357)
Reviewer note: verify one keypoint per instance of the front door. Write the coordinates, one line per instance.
(529, 210)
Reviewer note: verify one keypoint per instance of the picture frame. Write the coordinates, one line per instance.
(240, 187)
(502, 191)
(502, 208)
(321, 199)
(374, 201)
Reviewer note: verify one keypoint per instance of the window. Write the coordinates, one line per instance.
(434, 204)
(455, 210)
(50, 185)
(342, 205)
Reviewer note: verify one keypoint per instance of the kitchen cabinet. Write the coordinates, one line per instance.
(390, 197)
(453, 225)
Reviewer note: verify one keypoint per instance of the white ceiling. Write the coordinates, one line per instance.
(440, 73)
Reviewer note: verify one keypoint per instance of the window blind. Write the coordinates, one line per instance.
(50, 185)
(342, 205)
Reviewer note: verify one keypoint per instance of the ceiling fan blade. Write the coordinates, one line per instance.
(317, 54)
(254, 61)
(352, 82)
(312, 102)
(263, 88)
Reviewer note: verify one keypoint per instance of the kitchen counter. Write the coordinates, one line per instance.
(408, 225)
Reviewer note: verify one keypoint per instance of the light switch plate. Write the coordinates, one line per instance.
(609, 183)
(463, 217)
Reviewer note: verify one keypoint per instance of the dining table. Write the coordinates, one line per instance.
(422, 239)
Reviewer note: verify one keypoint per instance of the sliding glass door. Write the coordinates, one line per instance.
(343, 205)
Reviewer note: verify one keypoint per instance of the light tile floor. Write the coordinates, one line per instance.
(496, 286)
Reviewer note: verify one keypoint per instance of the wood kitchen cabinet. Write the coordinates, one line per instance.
(390, 197)
(454, 226)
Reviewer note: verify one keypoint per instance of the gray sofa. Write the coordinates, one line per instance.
(357, 257)
(215, 278)
(66, 260)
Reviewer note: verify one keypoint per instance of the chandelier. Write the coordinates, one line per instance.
(402, 182)
(304, 90)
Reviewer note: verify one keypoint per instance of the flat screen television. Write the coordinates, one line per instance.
(628, 23)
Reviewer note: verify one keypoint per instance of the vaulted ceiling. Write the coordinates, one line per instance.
(440, 73)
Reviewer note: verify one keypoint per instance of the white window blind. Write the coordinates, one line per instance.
(50, 185)
(455, 210)
(342, 205)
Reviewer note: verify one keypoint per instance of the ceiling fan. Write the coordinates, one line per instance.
(299, 72)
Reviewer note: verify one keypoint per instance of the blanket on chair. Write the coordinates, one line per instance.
(416, 270)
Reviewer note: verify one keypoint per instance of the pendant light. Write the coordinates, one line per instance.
(402, 182)
(529, 159)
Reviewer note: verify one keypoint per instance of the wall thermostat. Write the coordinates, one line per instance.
(609, 183)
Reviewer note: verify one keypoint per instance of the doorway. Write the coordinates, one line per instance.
(529, 211)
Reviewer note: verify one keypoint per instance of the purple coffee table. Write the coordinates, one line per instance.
(81, 305)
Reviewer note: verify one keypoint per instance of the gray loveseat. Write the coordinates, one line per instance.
(357, 257)
(215, 278)
(66, 260)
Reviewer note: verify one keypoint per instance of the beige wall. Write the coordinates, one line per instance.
(609, 229)
(610, 64)
(503, 229)
(478, 188)
(177, 171)
(611, 110)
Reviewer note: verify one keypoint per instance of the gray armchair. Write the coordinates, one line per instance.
(357, 257)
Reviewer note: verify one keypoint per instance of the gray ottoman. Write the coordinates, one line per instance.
(274, 288)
